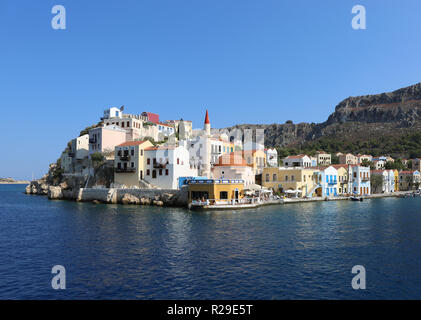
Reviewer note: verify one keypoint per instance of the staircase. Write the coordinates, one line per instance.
(310, 193)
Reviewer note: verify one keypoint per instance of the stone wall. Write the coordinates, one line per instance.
(159, 197)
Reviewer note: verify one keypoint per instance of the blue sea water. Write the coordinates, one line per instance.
(295, 251)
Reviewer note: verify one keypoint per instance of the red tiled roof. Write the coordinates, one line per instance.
(296, 157)
(160, 148)
(132, 143)
(153, 117)
(337, 166)
(377, 171)
(231, 159)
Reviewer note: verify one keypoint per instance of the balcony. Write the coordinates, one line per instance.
(124, 157)
(332, 182)
(124, 170)
(365, 178)
(160, 165)
(92, 140)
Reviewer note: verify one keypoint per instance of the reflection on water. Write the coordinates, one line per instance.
(300, 251)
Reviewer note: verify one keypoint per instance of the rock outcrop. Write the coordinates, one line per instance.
(130, 199)
(397, 112)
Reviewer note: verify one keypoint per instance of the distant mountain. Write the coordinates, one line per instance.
(12, 181)
(387, 116)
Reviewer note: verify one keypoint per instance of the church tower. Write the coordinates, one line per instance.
(206, 169)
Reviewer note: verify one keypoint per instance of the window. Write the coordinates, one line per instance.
(178, 160)
(223, 195)
(141, 152)
(148, 172)
(160, 172)
(166, 172)
(132, 152)
(119, 165)
(267, 177)
(154, 160)
(128, 124)
(275, 177)
(154, 174)
(286, 177)
(292, 177)
(122, 124)
(132, 164)
(148, 161)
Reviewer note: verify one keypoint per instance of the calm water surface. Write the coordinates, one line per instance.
(300, 251)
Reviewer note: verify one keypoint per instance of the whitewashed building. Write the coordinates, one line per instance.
(271, 157)
(165, 165)
(80, 147)
(300, 160)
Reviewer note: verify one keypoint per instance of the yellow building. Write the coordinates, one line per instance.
(129, 164)
(396, 173)
(284, 179)
(215, 191)
(343, 178)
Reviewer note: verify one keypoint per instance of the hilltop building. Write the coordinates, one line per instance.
(323, 158)
(105, 139)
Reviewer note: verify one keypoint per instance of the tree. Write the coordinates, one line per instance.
(97, 157)
(335, 159)
(410, 181)
(376, 182)
(366, 163)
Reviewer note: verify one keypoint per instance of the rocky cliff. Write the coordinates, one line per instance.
(394, 113)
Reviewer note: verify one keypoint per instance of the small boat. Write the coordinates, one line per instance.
(356, 198)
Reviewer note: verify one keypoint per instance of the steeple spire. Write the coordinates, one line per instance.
(207, 117)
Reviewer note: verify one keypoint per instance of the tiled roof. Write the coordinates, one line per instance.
(160, 148)
(377, 171)
(132, 143)
(300, 156)
(231, 159)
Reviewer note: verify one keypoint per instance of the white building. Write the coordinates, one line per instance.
(388, 180)
(165, 130)
(300, 160)
(164, 165)
(112, 113)
(328, 179)
(379, 164)
(80, 147)
(271, 157)
(359, 182)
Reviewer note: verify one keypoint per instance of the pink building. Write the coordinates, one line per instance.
(103, 139)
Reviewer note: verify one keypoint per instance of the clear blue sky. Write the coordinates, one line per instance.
(248, 61)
